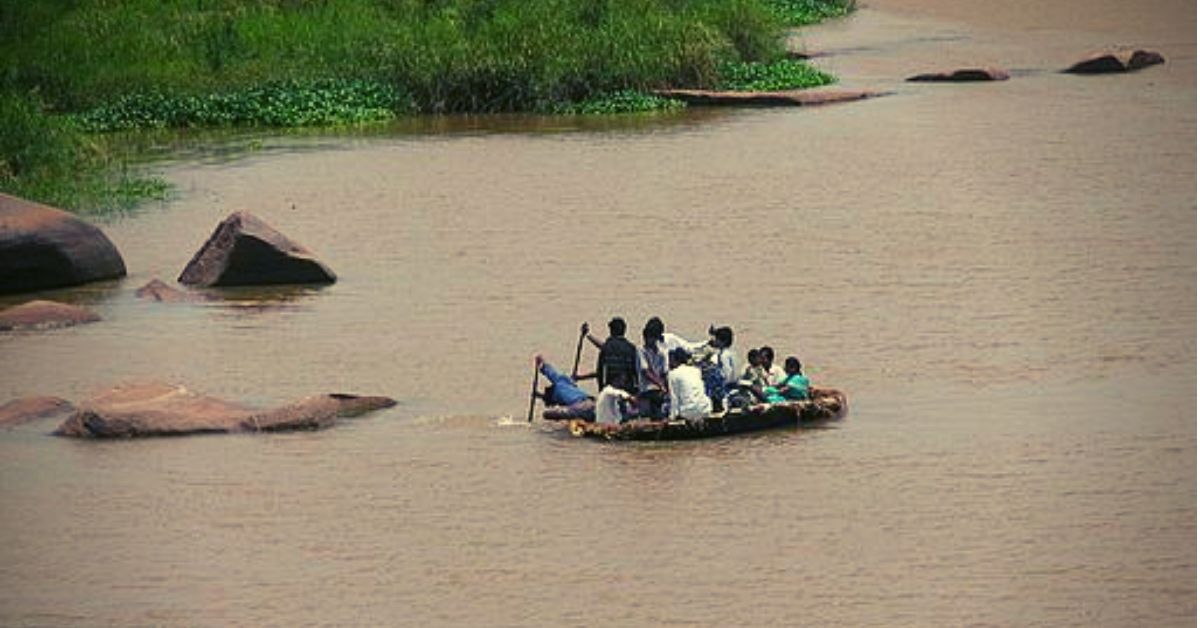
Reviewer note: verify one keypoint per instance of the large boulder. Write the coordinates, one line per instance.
(42, 247)
(1118, 60)
(965, 75)
(158, 409)
(28, 409)
(245, 251)
(44, 315)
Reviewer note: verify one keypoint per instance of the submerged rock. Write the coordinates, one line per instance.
(791, 98)
(158, 290)
(1118, 60)
(966, 75)
(45, 315)
(28, 409)
(42, 247)
(159, 409)
(245, 251)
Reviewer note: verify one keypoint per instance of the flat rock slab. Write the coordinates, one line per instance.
(1118, 60)
(245, 251)
(790, 98)
(28, 409)
(161, 409)
(966, 75)
(158, 290)
(42, 247)
(44, 315)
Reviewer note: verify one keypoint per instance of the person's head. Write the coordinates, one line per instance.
(767, 355)
(791, 366)
(753, 358)
(678, 356)
(654, 328)
(723, 336)
(616, 327)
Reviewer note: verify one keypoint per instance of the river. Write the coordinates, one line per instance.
(1001, 276)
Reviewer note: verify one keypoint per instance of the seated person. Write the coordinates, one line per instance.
(775, 374)
(688, 398)
(563, 397)
(615, 405)
(753, 376)
(794, 386)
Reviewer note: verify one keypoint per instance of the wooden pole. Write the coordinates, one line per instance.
(578, 352)
(533, 393)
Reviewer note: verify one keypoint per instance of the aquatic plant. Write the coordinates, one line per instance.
(778, 75)
(804, 12)
(48, 159)
(282, 104)
(625, 101)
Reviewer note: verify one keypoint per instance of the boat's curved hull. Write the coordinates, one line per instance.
(825, 405)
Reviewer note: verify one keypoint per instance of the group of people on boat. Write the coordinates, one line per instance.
(669, 377)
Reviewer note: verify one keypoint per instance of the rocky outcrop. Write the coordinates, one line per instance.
(158, 290)
(28, 409)
(245, 251)
(1118, 60)
(966, 75)
(792, 98)
(158, 409)
(44, 315)
(42, 247)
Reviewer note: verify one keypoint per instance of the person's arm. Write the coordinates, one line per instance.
(675, 401)
(586, 332)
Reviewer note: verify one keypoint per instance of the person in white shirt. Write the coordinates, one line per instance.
(688, 399)
(614, 405)
(775, 374)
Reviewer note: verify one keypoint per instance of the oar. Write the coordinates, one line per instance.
(533, 393)
(579, 350)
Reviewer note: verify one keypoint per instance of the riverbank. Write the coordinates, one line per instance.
(72, 70)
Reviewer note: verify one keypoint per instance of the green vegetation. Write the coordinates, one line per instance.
(289, 104)
(777, 75)
(137, 64)
(48, 159)
(626, 101)
(804, 12)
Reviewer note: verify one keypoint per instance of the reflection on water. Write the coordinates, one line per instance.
(1001, 276)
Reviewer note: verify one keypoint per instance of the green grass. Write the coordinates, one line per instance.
(627, 101)
(48, 159)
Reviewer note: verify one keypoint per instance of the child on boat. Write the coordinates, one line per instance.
(794, 386)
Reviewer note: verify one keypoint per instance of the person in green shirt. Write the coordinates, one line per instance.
(794, 386)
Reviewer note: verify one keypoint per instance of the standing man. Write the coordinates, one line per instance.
(617, 355)
(688, 399)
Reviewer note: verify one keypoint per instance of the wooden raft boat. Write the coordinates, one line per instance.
(826, 404)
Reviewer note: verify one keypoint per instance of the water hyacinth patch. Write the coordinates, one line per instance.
(805, 12)
(780, 75)
(626, 101)
(283, 104)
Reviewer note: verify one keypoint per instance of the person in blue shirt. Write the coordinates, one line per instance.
(563, 397)
(794, 386)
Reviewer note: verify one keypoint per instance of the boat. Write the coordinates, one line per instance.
(823, 406)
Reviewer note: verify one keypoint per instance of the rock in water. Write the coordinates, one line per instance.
(158, 409)
(158, 290)
(45, 315)
(42, 247)
(245, 251)
(1119, 60)
(966, 75)
(28, 409)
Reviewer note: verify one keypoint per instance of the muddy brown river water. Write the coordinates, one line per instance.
(1001, 276)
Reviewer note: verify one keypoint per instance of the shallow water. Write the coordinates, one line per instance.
(1001, 276)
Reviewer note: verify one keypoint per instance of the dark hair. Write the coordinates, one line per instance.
(724, 335)
(616, 326)
(681, 355)
(654, 328)
(767, 353)
(752, 355)
(792, 364)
